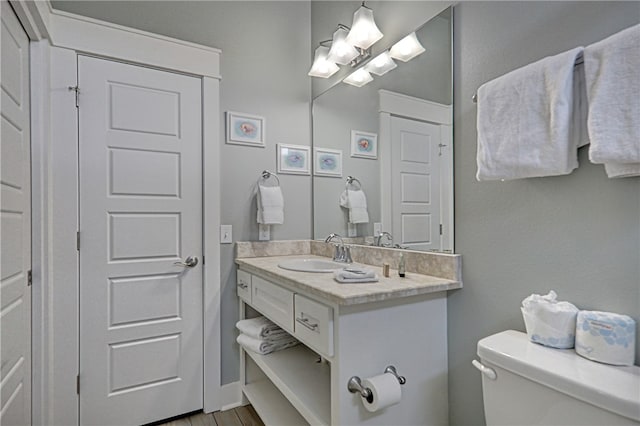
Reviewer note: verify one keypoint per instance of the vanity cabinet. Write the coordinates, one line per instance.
(307, 384)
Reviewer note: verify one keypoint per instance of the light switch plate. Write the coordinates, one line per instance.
(377, 228)
(226, 234)
(264, 232)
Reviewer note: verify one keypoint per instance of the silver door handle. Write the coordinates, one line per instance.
(189, 262)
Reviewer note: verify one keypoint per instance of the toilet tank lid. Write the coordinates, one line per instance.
(616, 389)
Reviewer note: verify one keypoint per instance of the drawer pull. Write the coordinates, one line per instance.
(243, 285)
(305, 321)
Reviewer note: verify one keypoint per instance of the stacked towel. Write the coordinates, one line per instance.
(612, 69)
(270, 205)
(261, 336)
(260, 328)
(355, 275)
(356, 202)
(525, 121)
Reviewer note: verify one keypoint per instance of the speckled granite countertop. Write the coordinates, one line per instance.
(324, 286)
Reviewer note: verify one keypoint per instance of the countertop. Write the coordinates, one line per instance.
(324, 286)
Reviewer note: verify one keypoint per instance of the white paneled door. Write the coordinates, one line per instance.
(15, 224)
(415, 176)
(140, 243)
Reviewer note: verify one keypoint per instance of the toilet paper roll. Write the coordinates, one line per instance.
(385, 390)
(606, 337)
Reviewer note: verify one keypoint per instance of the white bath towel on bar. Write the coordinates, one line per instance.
(526, 122)
(356, 202)
(270, 205)
(612, 71)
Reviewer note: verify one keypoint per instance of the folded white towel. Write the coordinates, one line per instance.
(612, 71)
(525, 121)
(270, 205)
(264, 347)
(260, 328)
(355, 275)
(356, 202)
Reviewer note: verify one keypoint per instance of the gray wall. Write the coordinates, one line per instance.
(577, 234)
(265, 60)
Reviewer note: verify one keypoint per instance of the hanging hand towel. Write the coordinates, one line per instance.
(270, 205)
(356, 202)
(525, 121)
(612, 71)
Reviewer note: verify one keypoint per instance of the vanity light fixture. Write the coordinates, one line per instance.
(348, 46)
(342, 52)
(322, 67)
(407, 48)
(358, 78)
(364, 31)
(381, 64)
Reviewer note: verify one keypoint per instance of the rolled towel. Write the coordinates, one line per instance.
(526, 122)
(613, 89)
(356, 202)
(355, 275)
(264, 347)
(260, 328)
(270, 205)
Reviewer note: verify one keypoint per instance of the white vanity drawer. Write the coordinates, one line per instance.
(273, 301)
(314, 324)
(243, 285)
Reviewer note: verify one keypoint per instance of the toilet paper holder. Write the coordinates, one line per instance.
(354, 385)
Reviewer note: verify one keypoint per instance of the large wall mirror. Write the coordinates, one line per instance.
(407, 177)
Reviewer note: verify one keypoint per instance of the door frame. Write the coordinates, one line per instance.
(404, 106)
(56, 40)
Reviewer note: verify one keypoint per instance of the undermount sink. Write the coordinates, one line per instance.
(311, 265)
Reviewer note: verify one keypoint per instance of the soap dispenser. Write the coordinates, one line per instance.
(401, 266)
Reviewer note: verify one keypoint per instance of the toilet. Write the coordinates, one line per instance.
(524, 383)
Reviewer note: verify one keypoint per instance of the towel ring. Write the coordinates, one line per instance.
(351, 180)
(266, 174)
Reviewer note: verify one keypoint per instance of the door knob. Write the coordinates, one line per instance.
(189, 262)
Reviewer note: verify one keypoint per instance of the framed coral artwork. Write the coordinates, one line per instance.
(245, 129)
(327, 162)
(293, 159)
(364, 144)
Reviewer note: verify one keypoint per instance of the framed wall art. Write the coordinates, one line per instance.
(245, 129)
(364, 144)
(293, 159)
(327, 162)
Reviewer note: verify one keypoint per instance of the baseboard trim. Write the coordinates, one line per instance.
(231, 396)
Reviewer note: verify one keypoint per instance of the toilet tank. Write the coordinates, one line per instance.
(537, 385)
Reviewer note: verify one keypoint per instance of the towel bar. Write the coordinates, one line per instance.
(351, 180)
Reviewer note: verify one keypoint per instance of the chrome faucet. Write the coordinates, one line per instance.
(378, 239)
(342, 253)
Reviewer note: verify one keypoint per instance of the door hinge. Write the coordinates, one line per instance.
(78, 384)
(78, 240)
(440, 229)
(29, 277)
(203, 260)
(77, 90)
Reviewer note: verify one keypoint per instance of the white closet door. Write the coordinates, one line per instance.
(15, 224)
(415, 176)
(140, 213)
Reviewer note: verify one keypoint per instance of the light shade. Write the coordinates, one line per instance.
(364, 31)
(358, 78)
(341, 52)
(407, 48)
(381, 64)
(322, 67)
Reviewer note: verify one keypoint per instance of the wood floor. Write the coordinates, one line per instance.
(241, 416)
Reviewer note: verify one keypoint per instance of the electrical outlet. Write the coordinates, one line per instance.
(226, 234)
(352, 230)
(264, 232)
(377, 228)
